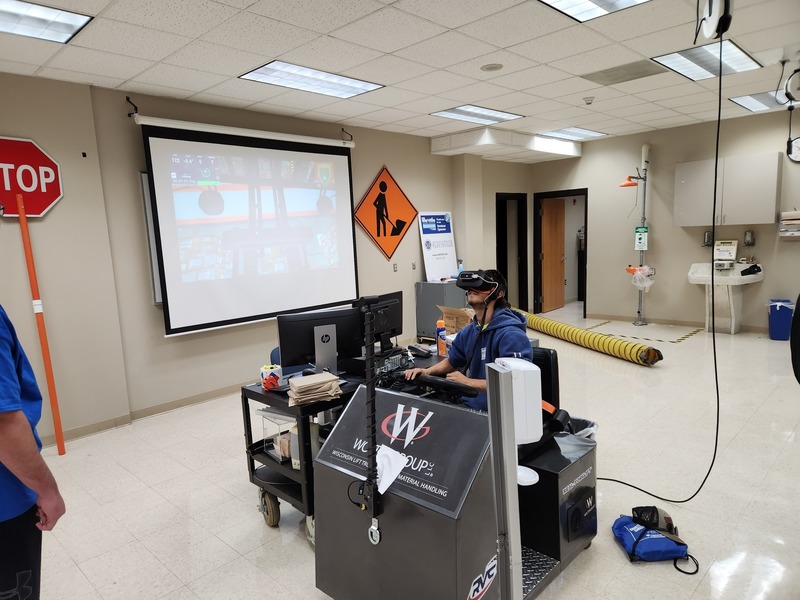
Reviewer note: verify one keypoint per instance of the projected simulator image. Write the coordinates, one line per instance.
(247, 227)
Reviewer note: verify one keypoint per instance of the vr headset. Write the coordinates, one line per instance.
(476, 280)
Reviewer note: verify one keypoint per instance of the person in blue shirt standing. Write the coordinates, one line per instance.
(496, 332)
(29, 498)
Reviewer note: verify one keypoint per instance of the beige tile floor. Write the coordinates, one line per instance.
(162, 508)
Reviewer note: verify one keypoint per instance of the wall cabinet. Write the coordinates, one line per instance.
(747, 191)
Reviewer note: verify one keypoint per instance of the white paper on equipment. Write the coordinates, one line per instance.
(390, 464)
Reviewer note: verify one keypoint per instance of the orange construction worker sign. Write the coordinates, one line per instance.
(385, 213)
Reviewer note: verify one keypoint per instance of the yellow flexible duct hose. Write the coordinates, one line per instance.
(641, 354)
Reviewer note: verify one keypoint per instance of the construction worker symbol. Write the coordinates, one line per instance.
(385, 213)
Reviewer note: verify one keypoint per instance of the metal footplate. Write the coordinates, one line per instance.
(537, 570)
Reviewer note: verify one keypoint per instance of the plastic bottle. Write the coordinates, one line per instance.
(460, 265)
(441, 343)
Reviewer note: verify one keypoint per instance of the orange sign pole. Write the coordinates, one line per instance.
(38, 311)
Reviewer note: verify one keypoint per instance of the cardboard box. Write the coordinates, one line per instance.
(455, 319)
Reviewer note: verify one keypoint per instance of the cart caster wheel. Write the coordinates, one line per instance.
(270, 509)
(587, 546)
(311, 530)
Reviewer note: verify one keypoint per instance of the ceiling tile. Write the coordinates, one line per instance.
(171, 15)
(650, 83)
(84, 7)
(150, 89)
(394, 128)
(565, 87)
(475, 92)
(298, 99)
(658, 43)
(650, 16)
(346, 108)
(95, 62)
(389, 96)
(219, 100)
(330, 54)
(435, 82)
(243, 89)
(215, 59)
(253, 33)
(782, 36)
(536, 108)
(421, 121)
(427, 105)
(18, 68)
(276, 109)
(518, 24)
(85, 78)
(599, 94)
(676, 121)
(387, 70)
(566, 113)
(638, 112)
(626, 129)
(322, 16)
(748, 19)
(687, 99)
(513, 99)
(179, 77)
(530, 78)
(388, 30)
(446, 49)
(511, 62)
(560, 44)
(389, 115)
(673, 91)
(454, 13)
(28, 50)
(132, 40)
(597, 60)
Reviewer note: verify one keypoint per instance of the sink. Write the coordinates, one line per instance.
(727, 301)
(700, 273)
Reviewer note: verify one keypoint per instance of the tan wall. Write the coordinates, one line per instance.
(613, 215)
(72, 253)
(107, 338)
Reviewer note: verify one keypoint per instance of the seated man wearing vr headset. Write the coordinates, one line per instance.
(496, 332)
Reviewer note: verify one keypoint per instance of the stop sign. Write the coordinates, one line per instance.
(28, 170)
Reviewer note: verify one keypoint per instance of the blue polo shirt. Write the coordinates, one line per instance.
(18, 391)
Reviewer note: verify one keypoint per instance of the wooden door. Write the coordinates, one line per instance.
(552, 256)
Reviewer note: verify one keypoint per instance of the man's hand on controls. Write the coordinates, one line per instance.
(413, 373)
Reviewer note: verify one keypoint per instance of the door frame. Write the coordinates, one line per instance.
(501, 250)
(538, 197)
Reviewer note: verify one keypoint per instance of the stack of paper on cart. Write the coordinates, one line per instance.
(313, 388)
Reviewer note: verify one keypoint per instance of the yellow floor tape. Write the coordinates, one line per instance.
(641, 354)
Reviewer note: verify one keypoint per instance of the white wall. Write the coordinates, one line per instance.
(612, 217)
(110, 357)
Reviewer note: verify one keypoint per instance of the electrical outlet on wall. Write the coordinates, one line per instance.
(394, 267)
(413, 265)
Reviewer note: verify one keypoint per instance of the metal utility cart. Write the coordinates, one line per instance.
(278, 480)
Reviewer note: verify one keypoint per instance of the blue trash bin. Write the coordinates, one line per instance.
(780, 318)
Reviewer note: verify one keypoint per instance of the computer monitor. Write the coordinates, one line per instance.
(297, 341)
(388, 323)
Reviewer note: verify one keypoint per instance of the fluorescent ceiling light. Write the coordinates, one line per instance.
(33, 20)
(574, 133)
(476, 114)
(585, 10)
(762, 101)
(309, 80)
(702, 62)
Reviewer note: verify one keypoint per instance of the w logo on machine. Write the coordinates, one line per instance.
(480, 585)
(405, 426)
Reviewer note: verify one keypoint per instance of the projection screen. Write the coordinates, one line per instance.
(248, 227)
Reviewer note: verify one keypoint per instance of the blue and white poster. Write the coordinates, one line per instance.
(438, 245)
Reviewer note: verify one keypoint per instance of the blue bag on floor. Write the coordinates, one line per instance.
(647, 544)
